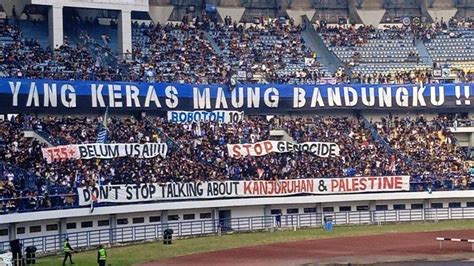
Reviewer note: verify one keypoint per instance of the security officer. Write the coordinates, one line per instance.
(101, 256)
(67, 251)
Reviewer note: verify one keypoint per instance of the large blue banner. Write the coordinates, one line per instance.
(21, 95)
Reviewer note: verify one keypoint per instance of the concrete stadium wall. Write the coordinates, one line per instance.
(60, 222)
(19, 5)
(160, 14)
(136, 5)
(232, 203)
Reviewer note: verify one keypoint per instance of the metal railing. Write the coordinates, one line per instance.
(154, 232)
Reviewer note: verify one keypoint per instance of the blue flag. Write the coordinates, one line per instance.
(102, 136)
(102, 129)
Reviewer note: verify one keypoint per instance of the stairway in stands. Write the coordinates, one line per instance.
(377, 137)
(314, 41)
(423, 52)
(214, 45)
(35, 30)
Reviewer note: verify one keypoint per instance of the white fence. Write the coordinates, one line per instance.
(122, 235)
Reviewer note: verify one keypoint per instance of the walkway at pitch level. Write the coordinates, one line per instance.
(112, 236)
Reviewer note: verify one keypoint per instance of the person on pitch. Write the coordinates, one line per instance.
(101, 256)
(67, 251)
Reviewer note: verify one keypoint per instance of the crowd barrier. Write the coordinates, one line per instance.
(153, 232)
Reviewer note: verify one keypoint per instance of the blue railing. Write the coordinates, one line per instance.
(37, 203)
(46, 134)
(377, 137)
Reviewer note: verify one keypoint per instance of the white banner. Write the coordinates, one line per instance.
(321, 149)
(241, 189)
(104, 151)
(308, 61)
(204, 116)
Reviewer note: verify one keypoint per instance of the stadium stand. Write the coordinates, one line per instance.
(198, 154)
(178, 52)
(453, 46)
(370, 55)
(429, 148)
(209, 51)
(69, 62)
(273, 51)
(368, 50)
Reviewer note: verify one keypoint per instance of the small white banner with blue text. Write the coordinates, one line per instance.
(185, 117)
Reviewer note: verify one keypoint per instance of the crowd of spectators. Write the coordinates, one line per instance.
(455, 120)
(424, 76)
(429, 148)
(428, 31)
(176, 53)
(396, 77)
(22, 185)
(24, 58)
(360, 154)
(417, 147)
(205, 51)
(273, 50)
(389, 55)
(352, 35)
(346, 36)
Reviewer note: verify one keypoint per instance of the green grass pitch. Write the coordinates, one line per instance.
(151, 251)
